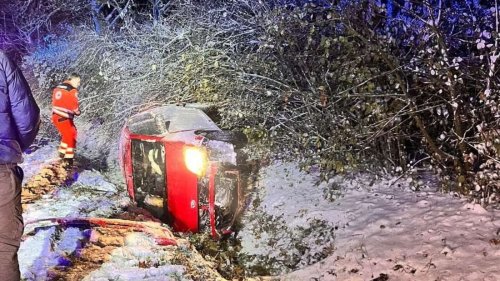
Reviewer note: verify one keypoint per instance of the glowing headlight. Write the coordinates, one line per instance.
(196, 160)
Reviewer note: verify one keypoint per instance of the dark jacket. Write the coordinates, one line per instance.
(19, 113)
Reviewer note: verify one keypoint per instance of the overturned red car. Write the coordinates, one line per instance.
(182, 167)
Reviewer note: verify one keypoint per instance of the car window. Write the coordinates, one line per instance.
(148, 124)
(191, 119)
(169, 118)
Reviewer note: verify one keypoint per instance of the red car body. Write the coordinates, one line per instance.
(155, 158)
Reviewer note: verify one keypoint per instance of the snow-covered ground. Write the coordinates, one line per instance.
(124, 262)
(378, 230)
(33, 161)
(288, 225)
(48, 249)
(354, 227)
(89, 196)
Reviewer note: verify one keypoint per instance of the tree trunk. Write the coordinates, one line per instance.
(95, 8)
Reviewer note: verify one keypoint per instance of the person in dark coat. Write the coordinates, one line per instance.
(19, 123)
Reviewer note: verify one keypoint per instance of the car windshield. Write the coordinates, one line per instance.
(170, 119)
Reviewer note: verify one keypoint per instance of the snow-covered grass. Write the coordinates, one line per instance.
(411, 236)
(42, 156)
(41, 253)
(288, 224)
(125, 262)
(89, 196)
(380, 229)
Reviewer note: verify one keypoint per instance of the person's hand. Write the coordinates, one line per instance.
(78, 112)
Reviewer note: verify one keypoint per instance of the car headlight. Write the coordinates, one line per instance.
(196, 160)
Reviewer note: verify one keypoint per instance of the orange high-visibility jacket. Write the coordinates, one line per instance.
(65, 100)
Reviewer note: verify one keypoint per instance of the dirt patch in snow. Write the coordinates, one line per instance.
(112, 252)
(134, 213)
(101, 243)
(45, 182)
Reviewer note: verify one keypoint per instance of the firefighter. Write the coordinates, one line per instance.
(64, 108)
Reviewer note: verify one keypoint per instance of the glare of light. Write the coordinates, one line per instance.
(196, 160)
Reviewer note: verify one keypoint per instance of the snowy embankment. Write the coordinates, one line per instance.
(55, 252)
(351, 228)
(378, 230)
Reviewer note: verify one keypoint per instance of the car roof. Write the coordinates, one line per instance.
(170, 119)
